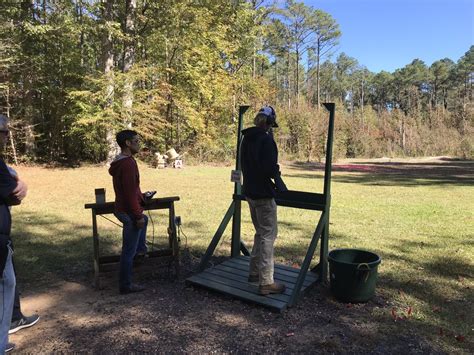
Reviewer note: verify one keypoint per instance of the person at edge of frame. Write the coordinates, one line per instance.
(12, 192)
(262, 179)
(19, 320)
(129, 202)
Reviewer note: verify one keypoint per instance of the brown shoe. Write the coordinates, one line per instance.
(272, 288)
(253, 278)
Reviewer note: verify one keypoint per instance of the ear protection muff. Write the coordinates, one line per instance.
(272, 118)
(270, 114)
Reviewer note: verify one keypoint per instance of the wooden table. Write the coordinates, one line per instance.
(103, 263)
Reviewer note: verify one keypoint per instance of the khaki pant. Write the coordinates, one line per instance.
(264, 219)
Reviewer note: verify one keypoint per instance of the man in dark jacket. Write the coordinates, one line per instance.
(12, 191)
(259, 157)
(19, 320)
(128, 207)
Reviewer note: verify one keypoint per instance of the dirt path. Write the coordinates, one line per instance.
(169, 317)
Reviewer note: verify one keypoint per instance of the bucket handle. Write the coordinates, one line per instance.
(364, 267)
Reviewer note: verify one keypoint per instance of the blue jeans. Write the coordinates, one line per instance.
(7, 295)
(133, 242)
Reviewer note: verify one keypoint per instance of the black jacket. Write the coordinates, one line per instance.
(259, 159)
(7, 185)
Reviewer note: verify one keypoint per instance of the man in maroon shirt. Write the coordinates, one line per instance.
(128, 207)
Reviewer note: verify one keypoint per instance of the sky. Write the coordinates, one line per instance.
(389, 34)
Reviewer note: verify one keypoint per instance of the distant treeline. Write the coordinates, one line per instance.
(73, 72)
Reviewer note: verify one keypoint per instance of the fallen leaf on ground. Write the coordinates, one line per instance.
(394, 314)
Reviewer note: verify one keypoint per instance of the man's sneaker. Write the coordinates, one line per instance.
(253, 278)
(23, 322)
(272, 288)
(9, 347)
(134, 288)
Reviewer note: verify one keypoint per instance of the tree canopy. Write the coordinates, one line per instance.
(75, 71)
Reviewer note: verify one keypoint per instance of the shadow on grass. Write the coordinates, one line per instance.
(48, 247)
(443, 265)
(43, 251)
(194, 225)
(449, 172)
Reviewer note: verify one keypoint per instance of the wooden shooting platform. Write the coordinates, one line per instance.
(230, 277)
(165, 255)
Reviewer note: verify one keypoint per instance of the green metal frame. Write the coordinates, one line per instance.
(296, 199)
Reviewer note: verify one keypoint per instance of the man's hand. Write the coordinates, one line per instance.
(280, 185)
(20, 190)
(141, 223)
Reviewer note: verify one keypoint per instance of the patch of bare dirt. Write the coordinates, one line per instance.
(171, 318)
(410, 171)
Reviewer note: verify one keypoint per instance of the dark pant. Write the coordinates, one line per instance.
(133, 240)
(16, 315)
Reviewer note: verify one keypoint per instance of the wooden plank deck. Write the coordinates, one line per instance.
(230, 277)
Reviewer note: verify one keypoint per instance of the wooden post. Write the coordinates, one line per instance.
(95, 237)
(323, 271)
(173, 238)
(235, 245)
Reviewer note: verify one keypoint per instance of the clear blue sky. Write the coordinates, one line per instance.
(389, 34)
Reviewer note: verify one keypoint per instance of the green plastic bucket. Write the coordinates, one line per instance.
(353, 274)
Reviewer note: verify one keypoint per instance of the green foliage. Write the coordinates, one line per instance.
(73, 71)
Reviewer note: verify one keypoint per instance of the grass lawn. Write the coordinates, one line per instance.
(418, 217)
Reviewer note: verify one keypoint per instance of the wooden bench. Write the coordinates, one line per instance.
(106, 263)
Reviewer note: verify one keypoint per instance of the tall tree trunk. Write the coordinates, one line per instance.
(318, 74)
(169, 106)
(79, 12)
(254, 61)
(30, 143)
(108, 67)
(297, 84)
(28, 14)
(352, 100)
(402, 133)
(288, 79)
(128, 60)
(12, 141)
